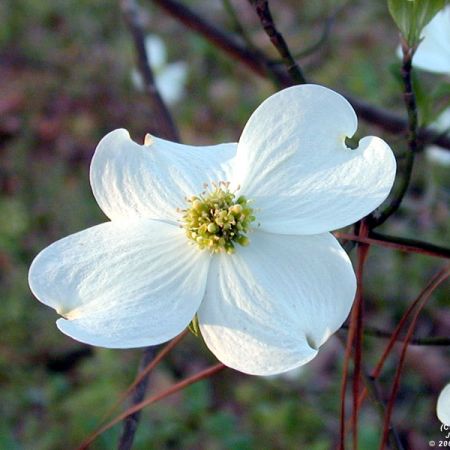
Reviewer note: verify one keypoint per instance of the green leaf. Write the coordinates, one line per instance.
(194, 327)
(411, 16)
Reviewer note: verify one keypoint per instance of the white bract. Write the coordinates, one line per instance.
(435, 153)
(433, 52)
(268, 290)
(443, 406)
(170, 78)
(439, 158)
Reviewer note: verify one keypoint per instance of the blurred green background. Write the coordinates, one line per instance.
(65, 81)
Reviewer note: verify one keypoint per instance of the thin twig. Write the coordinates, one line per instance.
(168, 129)
(265, 17)
(321, 41)
(130, 11)
(145, 371)
(255, 60)
(390, 405)
(130, 424)
(398, 243)
(379, 216)
(326, 32)
(373, 390)
(363, 253)
(354, 339)
(344, 382)
(395, 336)
(437, 341)
(263, 66)
(237, 25)
(153, 399)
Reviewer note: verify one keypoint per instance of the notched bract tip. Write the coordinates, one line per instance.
(148, 140)
(68, 314)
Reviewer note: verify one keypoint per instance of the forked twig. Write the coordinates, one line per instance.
(444, 274)
(144, 372)
(153, 399)
(130, 424)
(437, 279)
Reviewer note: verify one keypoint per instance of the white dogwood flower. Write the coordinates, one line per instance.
(250, 253)
(443, 406)
(170, 78)
(433, 52)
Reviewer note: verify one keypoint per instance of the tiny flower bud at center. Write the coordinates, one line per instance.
(215, 220)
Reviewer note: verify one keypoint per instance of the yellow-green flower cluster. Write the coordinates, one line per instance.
(215, 220)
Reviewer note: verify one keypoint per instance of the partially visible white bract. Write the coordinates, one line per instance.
(433, 52)
(443, 406)
(267, 306)
(170, 78)
(433, 55)
(438, 157)
(435, 153)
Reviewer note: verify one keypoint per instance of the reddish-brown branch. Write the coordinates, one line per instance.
(145, 372)
(443, 275)
(363, 253)
(431, 286)
(210, 371)
(352, 333)
(354, 340)
(422, 341)
(345, 370)
(373, 389)
(398, 243)
(263, 66)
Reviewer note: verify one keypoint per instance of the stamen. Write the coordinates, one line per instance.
(216, 221)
